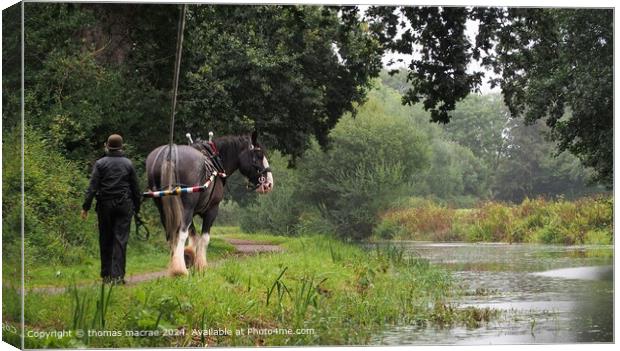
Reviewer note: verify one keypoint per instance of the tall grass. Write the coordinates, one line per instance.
(82, 309)
(584, 221)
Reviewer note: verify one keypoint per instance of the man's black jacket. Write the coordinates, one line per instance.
(113, 177)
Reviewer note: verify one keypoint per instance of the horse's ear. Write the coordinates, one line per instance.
(254, 137)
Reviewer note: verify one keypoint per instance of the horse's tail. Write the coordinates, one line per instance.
(171, 205)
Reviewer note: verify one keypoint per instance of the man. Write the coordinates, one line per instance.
(115, 184)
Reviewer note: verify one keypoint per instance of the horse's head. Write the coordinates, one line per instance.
(253, 165)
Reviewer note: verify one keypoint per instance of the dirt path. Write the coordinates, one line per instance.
(242, 248)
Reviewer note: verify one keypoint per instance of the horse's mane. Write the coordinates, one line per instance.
(231, 145)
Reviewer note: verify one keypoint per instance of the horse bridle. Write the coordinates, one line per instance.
(260, 178)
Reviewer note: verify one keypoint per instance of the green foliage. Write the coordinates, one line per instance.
(346, 300)
(461, 172)
(565, 65)
(492, 222)
(53, 195)
(369, 159)
(279, 211)
(11, 67)
(312, 222)
(479, 124)
(585, 221)
(389, 229)
(529, 166)
(438, 76)
(289, 71)
(228, 213)
(372, 161)
(485, 153)
(554, 64)
(80, 84)
(95, 69)
(598, 237)
(424, 220)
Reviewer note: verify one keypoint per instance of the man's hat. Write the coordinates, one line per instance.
(115, 142)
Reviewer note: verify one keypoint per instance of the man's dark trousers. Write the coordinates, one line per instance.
(114, 222)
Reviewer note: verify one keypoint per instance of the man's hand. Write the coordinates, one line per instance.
(84, 214)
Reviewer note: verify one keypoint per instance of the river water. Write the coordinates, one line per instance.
(546, 293)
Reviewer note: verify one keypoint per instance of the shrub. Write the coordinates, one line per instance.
(228, 213)
(586, 221)
(371, 162)
(54, 190)
(598, 237)
(428, 222)
(312, 222)
(389, 229)
(493, 222)
(277, 212)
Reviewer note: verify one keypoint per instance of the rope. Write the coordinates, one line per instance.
(177, 69)
(175, 88)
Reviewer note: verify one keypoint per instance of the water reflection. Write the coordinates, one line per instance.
(548, 294)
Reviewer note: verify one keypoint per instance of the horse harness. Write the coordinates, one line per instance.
(213, 166)
(211, 153)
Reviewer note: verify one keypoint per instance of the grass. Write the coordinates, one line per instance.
(319, 291)
(153, 259)
(586, 221)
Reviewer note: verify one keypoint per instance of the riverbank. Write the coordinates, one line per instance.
(544, 293)
(318, 291)
(584, 221)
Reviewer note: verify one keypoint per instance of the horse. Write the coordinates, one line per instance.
(184, 165)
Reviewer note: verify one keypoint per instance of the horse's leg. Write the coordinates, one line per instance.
(177, 264)
(190, 253)
(203, 241)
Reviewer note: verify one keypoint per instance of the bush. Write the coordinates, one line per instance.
(598, 237)
(277, 212)
(493, 222)
(312, 222)
(54, 191)
(586, 221)
(228, 213)
(371, 162)
(429, 221)
(389, 229)
(454, 172)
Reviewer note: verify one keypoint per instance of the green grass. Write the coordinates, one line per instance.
(138, 262)
(262, 238)
(341, 292)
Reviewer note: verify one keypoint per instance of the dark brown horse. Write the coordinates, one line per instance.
(185, 166)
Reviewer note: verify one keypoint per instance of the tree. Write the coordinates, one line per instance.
(479, 123)
(290, 72)
(372, 160)
(528, 166)
(486, 153)
(553, 64)
(80, 81)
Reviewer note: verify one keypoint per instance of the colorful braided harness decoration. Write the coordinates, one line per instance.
(178, 190)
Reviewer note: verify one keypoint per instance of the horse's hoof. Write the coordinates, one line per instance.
(177, 268)
(178, 272)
